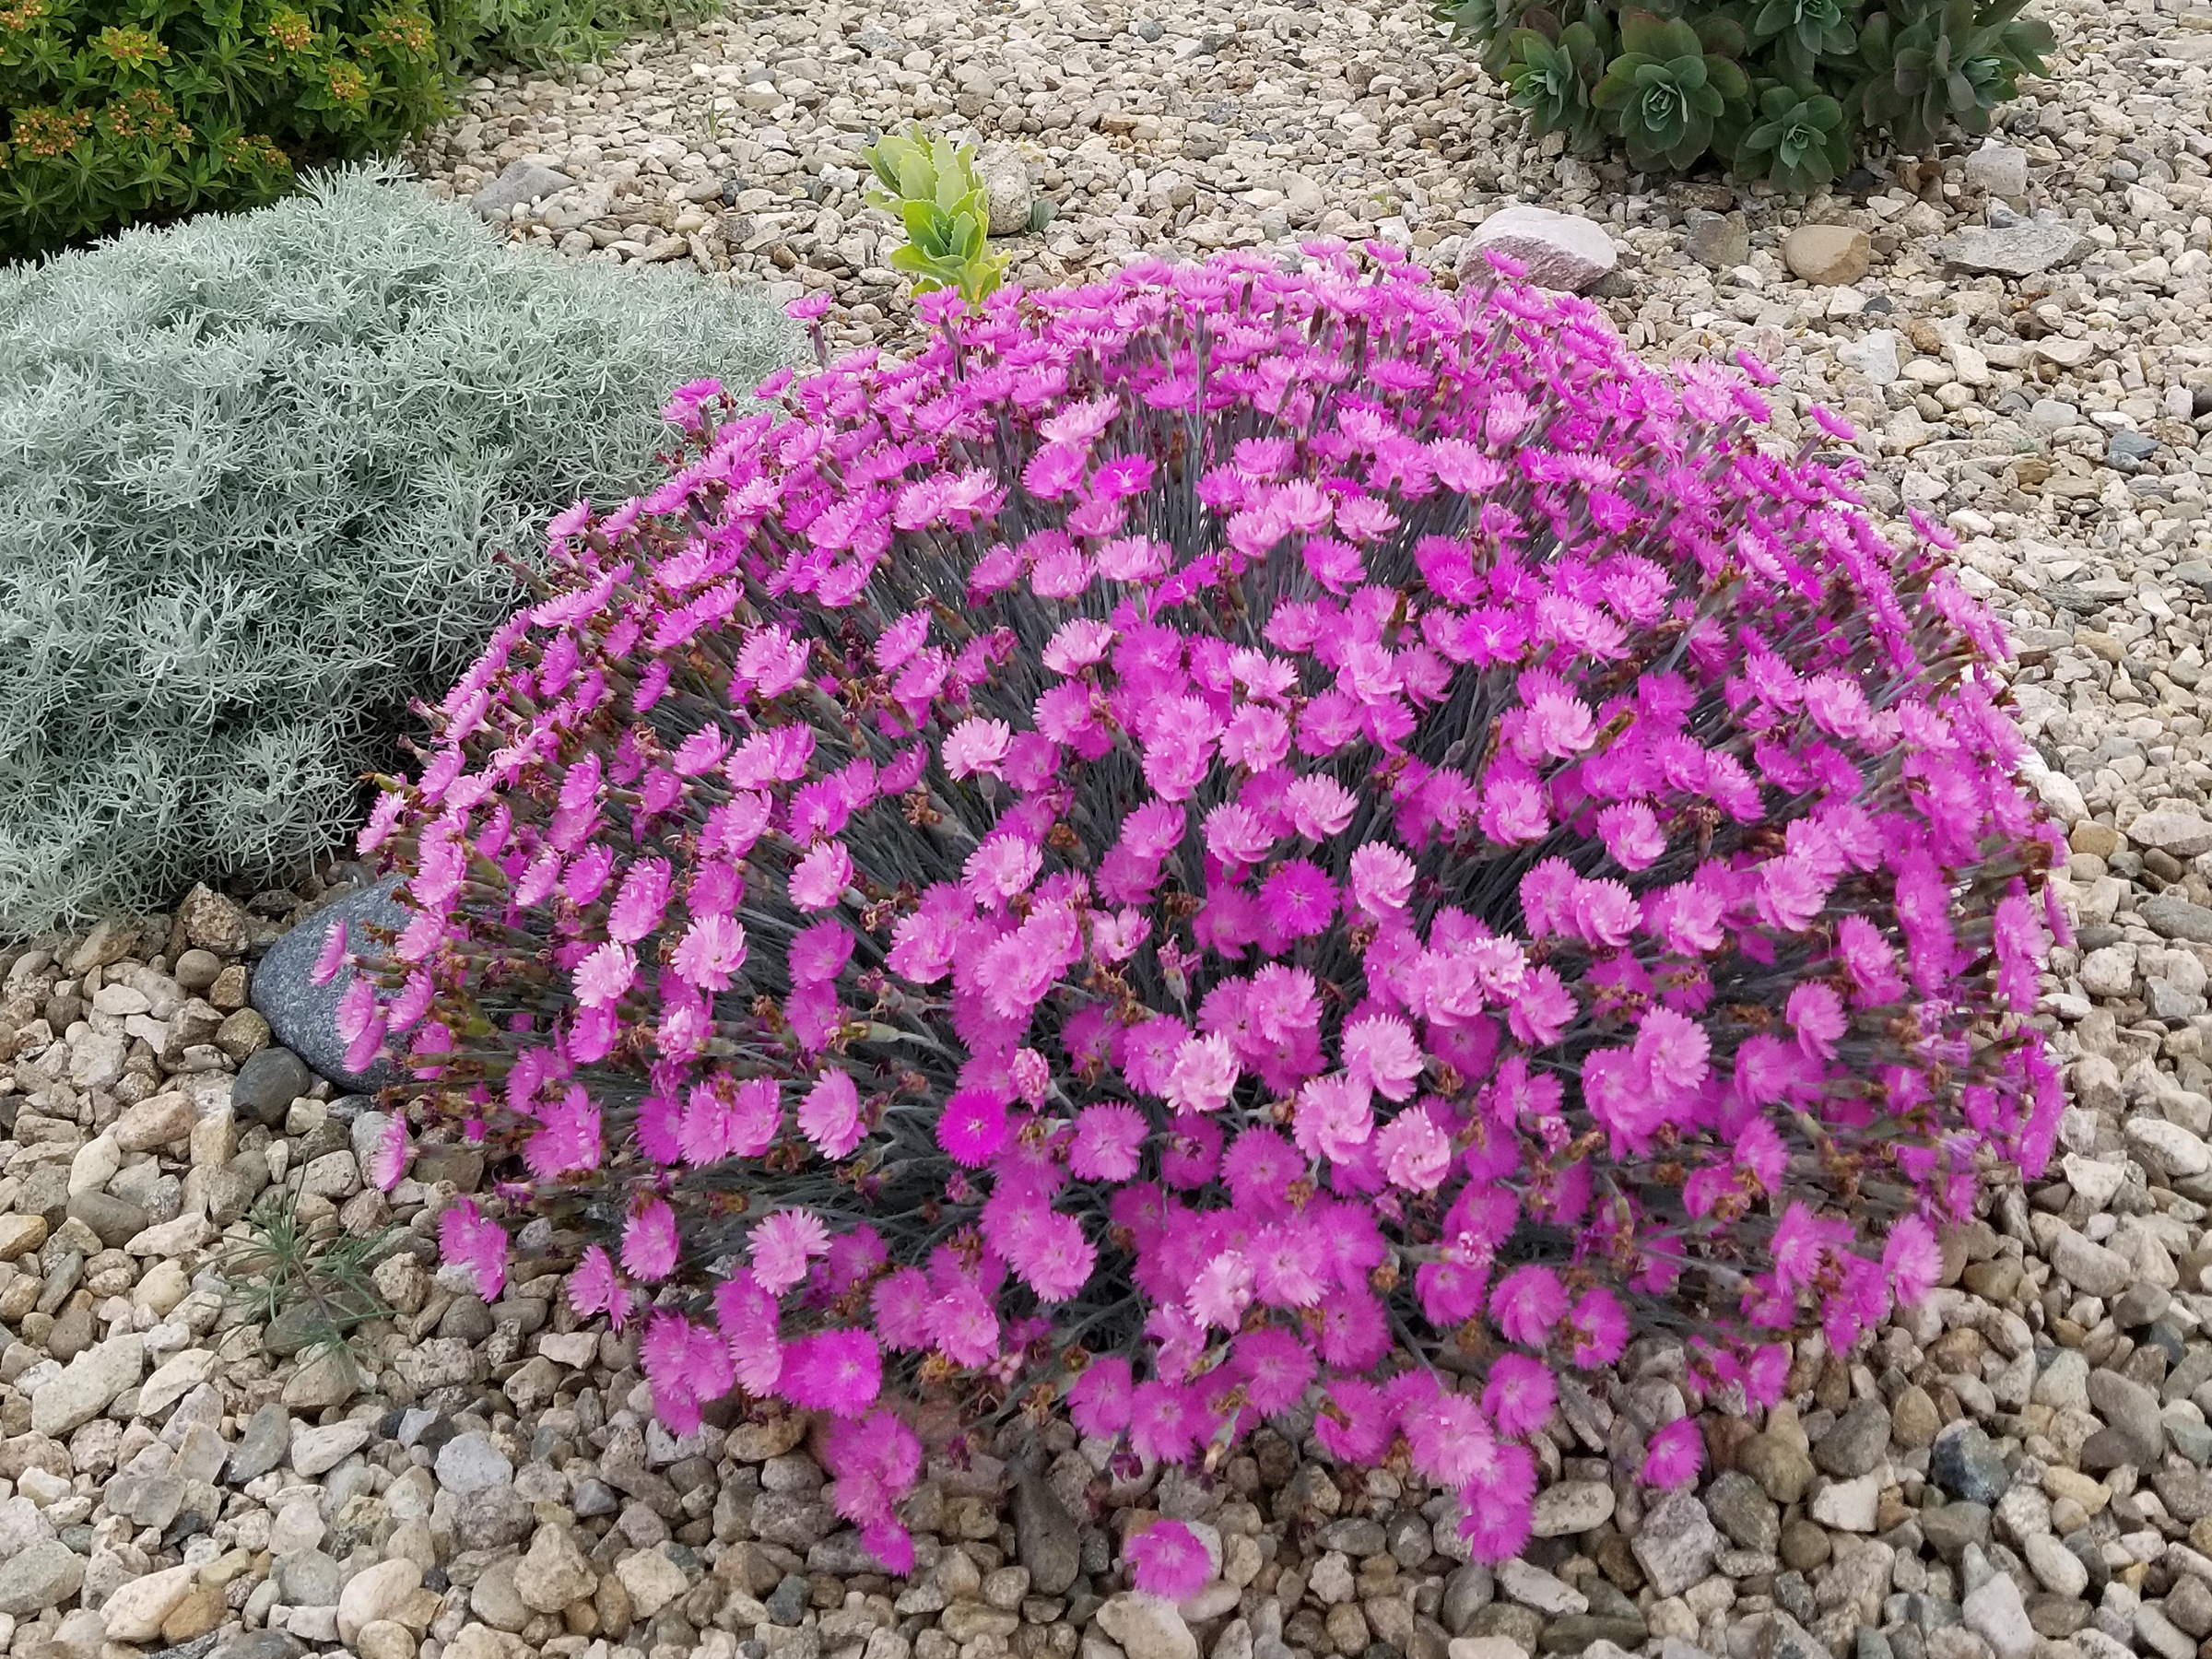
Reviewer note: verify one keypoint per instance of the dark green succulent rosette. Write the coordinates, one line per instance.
(1670, 86)
(1556, 79)
(1804, 31)
(1928, 62)
(1796, 142)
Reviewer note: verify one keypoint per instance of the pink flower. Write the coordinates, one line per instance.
(1381, 1053)
(1167, 1559)
(1816, 1012)
(971, 1127)
(1911, 1258)
(781, 1246)
(1599, 1327)
(1520, 1393)
(1002, 867)
(641, 901)
(1528, 1303)
(1098, 1400)
(820, 879)
(1334, 1117)
(836, 1370)
(1381, 879)
(332, 957)
(1276, 1365)
(1222, 1290)
(1109, 1136)
(1674, 1455)
(976, 746)
(649, 1241)
(830, 1117)
(1204, 1072)
(711, 952)
(603, 976)
(1415, 1152)
(592, 1288)
(468, 1240)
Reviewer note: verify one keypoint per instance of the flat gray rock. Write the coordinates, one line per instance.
(522, 181)
(2175, 918)
(2019, 250)
(304, 1015)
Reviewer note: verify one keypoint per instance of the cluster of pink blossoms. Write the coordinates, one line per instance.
(1230, 845)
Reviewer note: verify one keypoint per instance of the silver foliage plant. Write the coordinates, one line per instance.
(254, 471)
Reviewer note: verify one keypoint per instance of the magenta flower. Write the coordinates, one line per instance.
(972, 1128)
(1674, 1455)
(830, 1117)
(470, 1239)
(332, 957)
(649, 1241)
(1167, 1559)
(835, 1371)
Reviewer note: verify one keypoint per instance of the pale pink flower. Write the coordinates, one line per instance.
(781, 1246)
(976, 746)
(830, 1117)
(603, 976)
(711, 952)
(820, 879)
(1205, 1071)
(1415, 1153)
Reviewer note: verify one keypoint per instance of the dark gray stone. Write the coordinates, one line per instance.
(1747, 1515)
(113, 1220)
(1966, 1466)
(2132, 1412)
(1856, 1441)
(1471, 1588)
(2175, 918)
(1045, 1537)
(267, 1084)
(262, 1447)
(787, 1602)
(261, 1644)
(1953, 1527)
(304, 1015)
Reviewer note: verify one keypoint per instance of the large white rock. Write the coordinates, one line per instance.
(1558, 250)
(133, 1614)
(1147, 1627)
(87, 1385)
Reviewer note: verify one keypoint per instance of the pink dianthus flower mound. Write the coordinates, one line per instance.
(1233, 842)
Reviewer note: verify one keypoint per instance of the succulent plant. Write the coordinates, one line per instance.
(932, 187)
(1667, 89)
(1554, 79)
(1796, 140)
(1780, 89)
(1805, 32)
(1927, 62)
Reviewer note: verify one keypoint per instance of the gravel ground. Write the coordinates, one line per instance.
(2016, 1470)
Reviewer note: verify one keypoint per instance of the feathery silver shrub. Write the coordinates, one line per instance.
(253, 471)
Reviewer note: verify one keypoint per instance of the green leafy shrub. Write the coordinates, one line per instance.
(113, 110)
(932, 187)
(1783, 91)
(252, 472)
